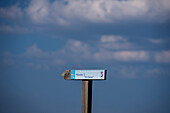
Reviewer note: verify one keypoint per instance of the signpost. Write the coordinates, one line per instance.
(86, 76)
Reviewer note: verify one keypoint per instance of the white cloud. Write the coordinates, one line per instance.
(13, 12)
(131, 56)
(162, 57)
(6, 29)
(125, 72)
(76, 46)
(104, 11)
(122, 56)
(76, 51)
(158, 10)
(73, 51)
(38, 66)
(114, 42)
(156, 72)
(8, 61)
(97, 11)
(69, 12)
(112, 38)
(155, 41)
(13, 29)
(34, 52)
(133, 71)
(39, 10)
(39, 59)
(72, 48)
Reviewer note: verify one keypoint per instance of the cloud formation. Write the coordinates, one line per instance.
(162, 57)
(38, 11)
(122, 56)
(156, 41)
(114, 42)
(75, 51)
(95, 11)
(98, 10)
(12, 12)
(49, 15)
(105, 38)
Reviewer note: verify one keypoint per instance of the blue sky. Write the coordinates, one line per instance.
(39, 39)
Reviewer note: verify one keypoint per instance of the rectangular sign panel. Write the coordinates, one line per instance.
(88, 74)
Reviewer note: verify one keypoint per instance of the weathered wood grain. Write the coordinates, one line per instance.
(86, 96)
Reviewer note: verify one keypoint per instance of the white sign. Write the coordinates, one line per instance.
(88, 74)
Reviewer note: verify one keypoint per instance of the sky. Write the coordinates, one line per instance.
(40, 39)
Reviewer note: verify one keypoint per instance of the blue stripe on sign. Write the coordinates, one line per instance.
(72, 74)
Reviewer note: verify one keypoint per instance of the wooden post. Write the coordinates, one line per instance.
(86, 96)
(86, 76)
